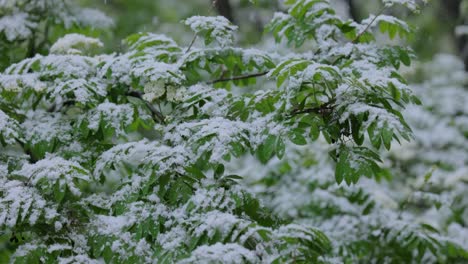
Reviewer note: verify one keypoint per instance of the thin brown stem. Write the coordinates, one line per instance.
(157, 116)
(323, 109)
(369, 25)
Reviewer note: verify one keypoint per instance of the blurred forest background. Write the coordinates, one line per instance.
(439, 26)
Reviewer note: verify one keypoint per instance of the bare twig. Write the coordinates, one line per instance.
(316, 110)
(241, 77)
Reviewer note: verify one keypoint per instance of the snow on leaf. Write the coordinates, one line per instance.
(54, 174)
(17, 26)
(222, 253)
(75, 44)
(213, 28)
(410, 4)
(40, 126)
(154, 155)
(109, 116)
(211, 135)
(23, 204)
(88, 17)
(9, 129)
(20, 82)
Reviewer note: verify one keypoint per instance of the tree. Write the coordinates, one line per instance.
(27, 27)
(133, 157)
(224, 8)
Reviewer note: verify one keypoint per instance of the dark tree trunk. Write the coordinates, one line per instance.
(451, 9)
(353, 10)
(224, 8)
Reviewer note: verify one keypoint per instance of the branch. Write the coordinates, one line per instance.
(241, 77)
(323, 109)
(191, 43)
(369, 25)
(157, 116)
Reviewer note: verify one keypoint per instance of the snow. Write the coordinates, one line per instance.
(216, 221)
(17, 26)
(144, 152)
(52, 170)
(411, 4)
(380, 116)
(172, 239)
(40, 127)
(79, 259)
(17, 83)
(111, 225)
(93, 18)
(461, 30)
(75, 44)
(111, 115)
(57, 247)
(9, 128)
(218, 27)
(224, 131)
(139, 193)
(225, 253)
(21, 204)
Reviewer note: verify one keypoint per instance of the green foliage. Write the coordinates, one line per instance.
(136, 156)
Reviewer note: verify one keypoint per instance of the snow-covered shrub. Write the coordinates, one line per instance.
(26, 26)
(137, 157)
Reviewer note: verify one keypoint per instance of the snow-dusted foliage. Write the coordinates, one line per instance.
(212, 28)
(20, 19)
(25, 26)
(175, 154)
(75, 44)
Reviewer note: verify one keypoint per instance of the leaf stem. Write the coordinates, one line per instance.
(157, 116)
(191, 43)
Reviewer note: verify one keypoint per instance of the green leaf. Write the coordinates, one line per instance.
(219, 171)
(237, 149)
(342, 170)
(267, 149)
(59, 193)
(297, 138)
(314, 131)
(387, 136)
(107, 254)
(280, 148)
(404, 57)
